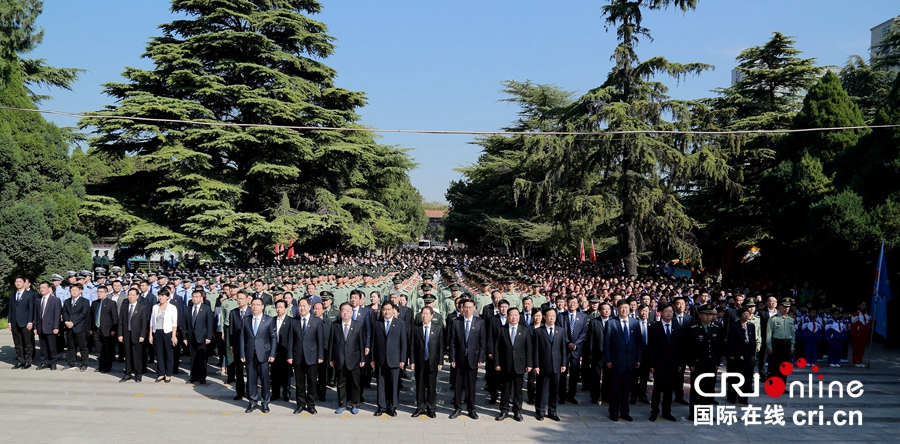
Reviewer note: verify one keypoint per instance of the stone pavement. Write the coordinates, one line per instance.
(73, 407)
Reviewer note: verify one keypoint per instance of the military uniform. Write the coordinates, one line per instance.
(326, 372)
(228, 305)
(704, 348)
(780, 340)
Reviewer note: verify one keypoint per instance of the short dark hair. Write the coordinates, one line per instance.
(621, 302)
(502, 302)
(341, 307)
(430, 310)
(387, 303)
(162, 292)
(198, 290)
(282, 302)
(512, 309)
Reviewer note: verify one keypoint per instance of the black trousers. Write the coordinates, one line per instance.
(620, 390)
(465, 380)
(348, 387)
(569, 380)
(547, 392)
(781, 352)
(388, 379)
(531, 386)
(105, 350)
(491, 378)
(23, 339)
(593, 381)
(664, 384)
(134, 350)
(708, 385)
(762, 356)
(236, 372)
(280, 377)
(679, 388)
(426, 384)
(639, 384)
(48, 348)
(257, 375)
(198, 360)
(744, 365)
(322, 379)
(165, 353)
(511, 383)
(305, 377)
(77, 343)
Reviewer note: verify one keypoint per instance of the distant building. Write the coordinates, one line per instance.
(435, 217)
(880, 30)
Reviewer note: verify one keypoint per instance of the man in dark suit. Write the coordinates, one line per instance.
(367, 316)
(575, 325)
(427, 358)
(682, 321)
(21, 322)
(76, 313)
(593, 352)
(513, 357)
(306, 350)
(492, 309)
(549, 362)
(199, 327)
(257, 351)
(664, 359)
(348, 345)
(494, 322)
(641, 374)
(468, 349)
(765, 313)
(103, 324)
(47, 312)
(389, 349)
(281, 368)
(741, 353)
(266, 298)
(235, 326)
(622, 355)
(134, 325)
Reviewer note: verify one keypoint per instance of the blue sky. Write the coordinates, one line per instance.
(439, 65)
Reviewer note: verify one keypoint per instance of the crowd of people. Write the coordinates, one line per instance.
(536, 327)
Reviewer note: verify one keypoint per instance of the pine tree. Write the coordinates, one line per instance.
(217, 188)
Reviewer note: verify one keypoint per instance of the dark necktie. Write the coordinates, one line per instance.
(625, 330)
(18, 296)
(303, 325)
(130, 314)
(467, 332)
(668, 333)
(550, 329)
(426, 342)
(194, 318)
(99, 307)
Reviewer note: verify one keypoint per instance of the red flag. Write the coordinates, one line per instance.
(582, 250)
(593, 253)
(277, 250)
(290, 252)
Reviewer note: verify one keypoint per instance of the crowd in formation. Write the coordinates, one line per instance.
(537, 328)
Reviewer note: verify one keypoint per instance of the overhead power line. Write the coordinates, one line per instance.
(449, 132)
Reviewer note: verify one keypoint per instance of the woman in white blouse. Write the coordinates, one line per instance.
(163, 330)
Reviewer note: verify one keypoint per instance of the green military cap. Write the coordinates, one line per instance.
(455, 287)
(707, 308)
(510, 280)
(426, 286)
(749, 303)
(594, 300)
(428, 298)
(785, 301)
(326, 295)
(397, 280)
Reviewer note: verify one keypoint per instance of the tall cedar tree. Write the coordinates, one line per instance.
(239, 190)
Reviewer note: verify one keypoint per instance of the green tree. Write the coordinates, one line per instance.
(867, 86)
(221, 188)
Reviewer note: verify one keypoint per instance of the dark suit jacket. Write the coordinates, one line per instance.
(78, 314)
(262, 344)
(663, 352)
(283, 337)
(50, 319)
(736, 346)
(549, 357)
(391, 349)
(435, 345)
(622, 355)
(688, 320)
(487, 312)
(140, 322)
(235, 325)
(21, 313)
(307, 347)
(366, 316)
(109, 316)
(347, 354)
(513, 358)
(477, 345)
(150, 300)
(205, 325)
(266, 298)
(581, 328)
(593, 345)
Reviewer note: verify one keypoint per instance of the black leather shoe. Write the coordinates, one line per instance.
(473, 414)
(298, 410)
(627, 418)
(83, 368)
(96, 370)
(202, 382)
(670, 417)
(249, 409)
(682, 401)
(138, 378)
(416, 414)
(493, 400)
(517, 417)
(455, 414)
(500, 417)
(614, 418)
(644, 400)
(26, 367)
(190, 381)
(392, 413)
(264, 409)
(237, 397)
(378, 412)
(41, 367)
(312, 410)
(632, 401)
(553, 417)
(539, 416)
(18, 366)
(52, 367)
(573, 401)
(653, 416)
(125, 378)
(431, 414)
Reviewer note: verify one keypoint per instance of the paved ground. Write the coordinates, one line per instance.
(75, 407)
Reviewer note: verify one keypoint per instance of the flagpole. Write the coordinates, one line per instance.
(874, 296)
(871, 338)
